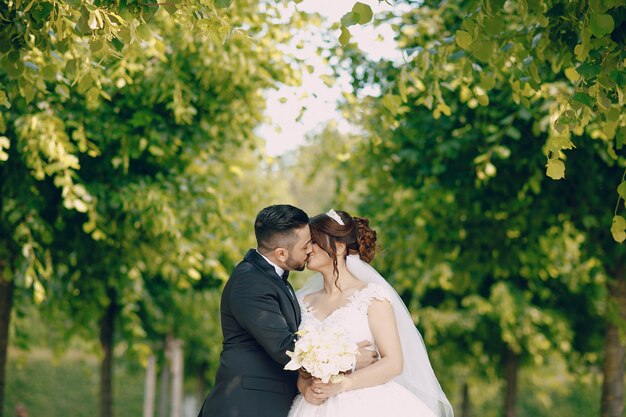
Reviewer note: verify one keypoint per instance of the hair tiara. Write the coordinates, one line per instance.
(333, 215)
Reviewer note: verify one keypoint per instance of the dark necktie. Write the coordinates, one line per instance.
(284, 277)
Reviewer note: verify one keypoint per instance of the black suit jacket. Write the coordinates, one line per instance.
(259, 320)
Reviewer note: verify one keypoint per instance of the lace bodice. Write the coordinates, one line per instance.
(352, 317)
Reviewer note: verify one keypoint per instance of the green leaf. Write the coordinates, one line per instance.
(444, 108)
(588, 70)
(584, 98)
(620, 138)
(568, 117)
(572, 74)
(402, 81)
(223, 3)
(555, 169)
(482, 50)
(350, 19)
(4, 101)
(85, 83)
(49, 72)
(604, 102)
(144, 33)
(42, 10)
(621, 190)
(169, 7)
(62, 90)
(493, 6)
(95, 45)
(344, 38)
(392, 102)
(463, 39)
(493, 25)
(513, 133)
(618, 229)
(612, 115)
(619, 77)
(487, 82)
(601, 24)
(364, 12)
(82, 25)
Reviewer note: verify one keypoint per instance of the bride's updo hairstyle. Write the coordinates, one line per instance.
(358, 236)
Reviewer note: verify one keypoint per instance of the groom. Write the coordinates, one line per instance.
(260, 315)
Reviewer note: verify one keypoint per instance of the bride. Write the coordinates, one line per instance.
(350, 294)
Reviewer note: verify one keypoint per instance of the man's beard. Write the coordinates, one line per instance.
(299, 267)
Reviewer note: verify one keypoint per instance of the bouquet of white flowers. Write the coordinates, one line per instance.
(323, 351)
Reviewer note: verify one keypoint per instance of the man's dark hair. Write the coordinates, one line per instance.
(275, 225)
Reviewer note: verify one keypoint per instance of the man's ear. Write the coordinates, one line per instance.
(281, 254)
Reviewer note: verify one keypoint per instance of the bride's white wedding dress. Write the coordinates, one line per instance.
(388, 399)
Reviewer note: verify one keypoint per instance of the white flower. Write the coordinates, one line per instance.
(323, 351)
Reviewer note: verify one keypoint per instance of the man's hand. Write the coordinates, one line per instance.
(366, 357)
(305, 386)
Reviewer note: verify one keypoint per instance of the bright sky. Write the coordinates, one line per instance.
(284, 132)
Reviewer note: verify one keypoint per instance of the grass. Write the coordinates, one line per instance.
(67, 386)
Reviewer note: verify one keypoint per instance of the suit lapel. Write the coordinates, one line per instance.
(268, 270)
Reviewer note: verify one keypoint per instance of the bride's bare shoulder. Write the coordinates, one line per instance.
(311, 298)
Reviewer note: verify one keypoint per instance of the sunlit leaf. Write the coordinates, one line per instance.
(350, 18)
(555, 169)
(621, 190)
(363, 11)
(344, 38)
(392, 102)
(463, 39)
(572, 74)
(618, 229)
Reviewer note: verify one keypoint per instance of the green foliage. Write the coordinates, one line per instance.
(318, 169)
(68, 39)
(130, 167)
(360, 14)
(565, 57)
(493, 255)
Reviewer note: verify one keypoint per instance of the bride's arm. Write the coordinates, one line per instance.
(382, 322)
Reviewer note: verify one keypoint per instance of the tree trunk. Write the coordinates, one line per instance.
(164, 382)
(6, 305)
(177, 378)
(613, 366)
(107, 327)
(150, 388)
(465, 406)
(511, 367)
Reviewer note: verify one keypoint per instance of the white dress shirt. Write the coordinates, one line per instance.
(278, 269)
(280, 272)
